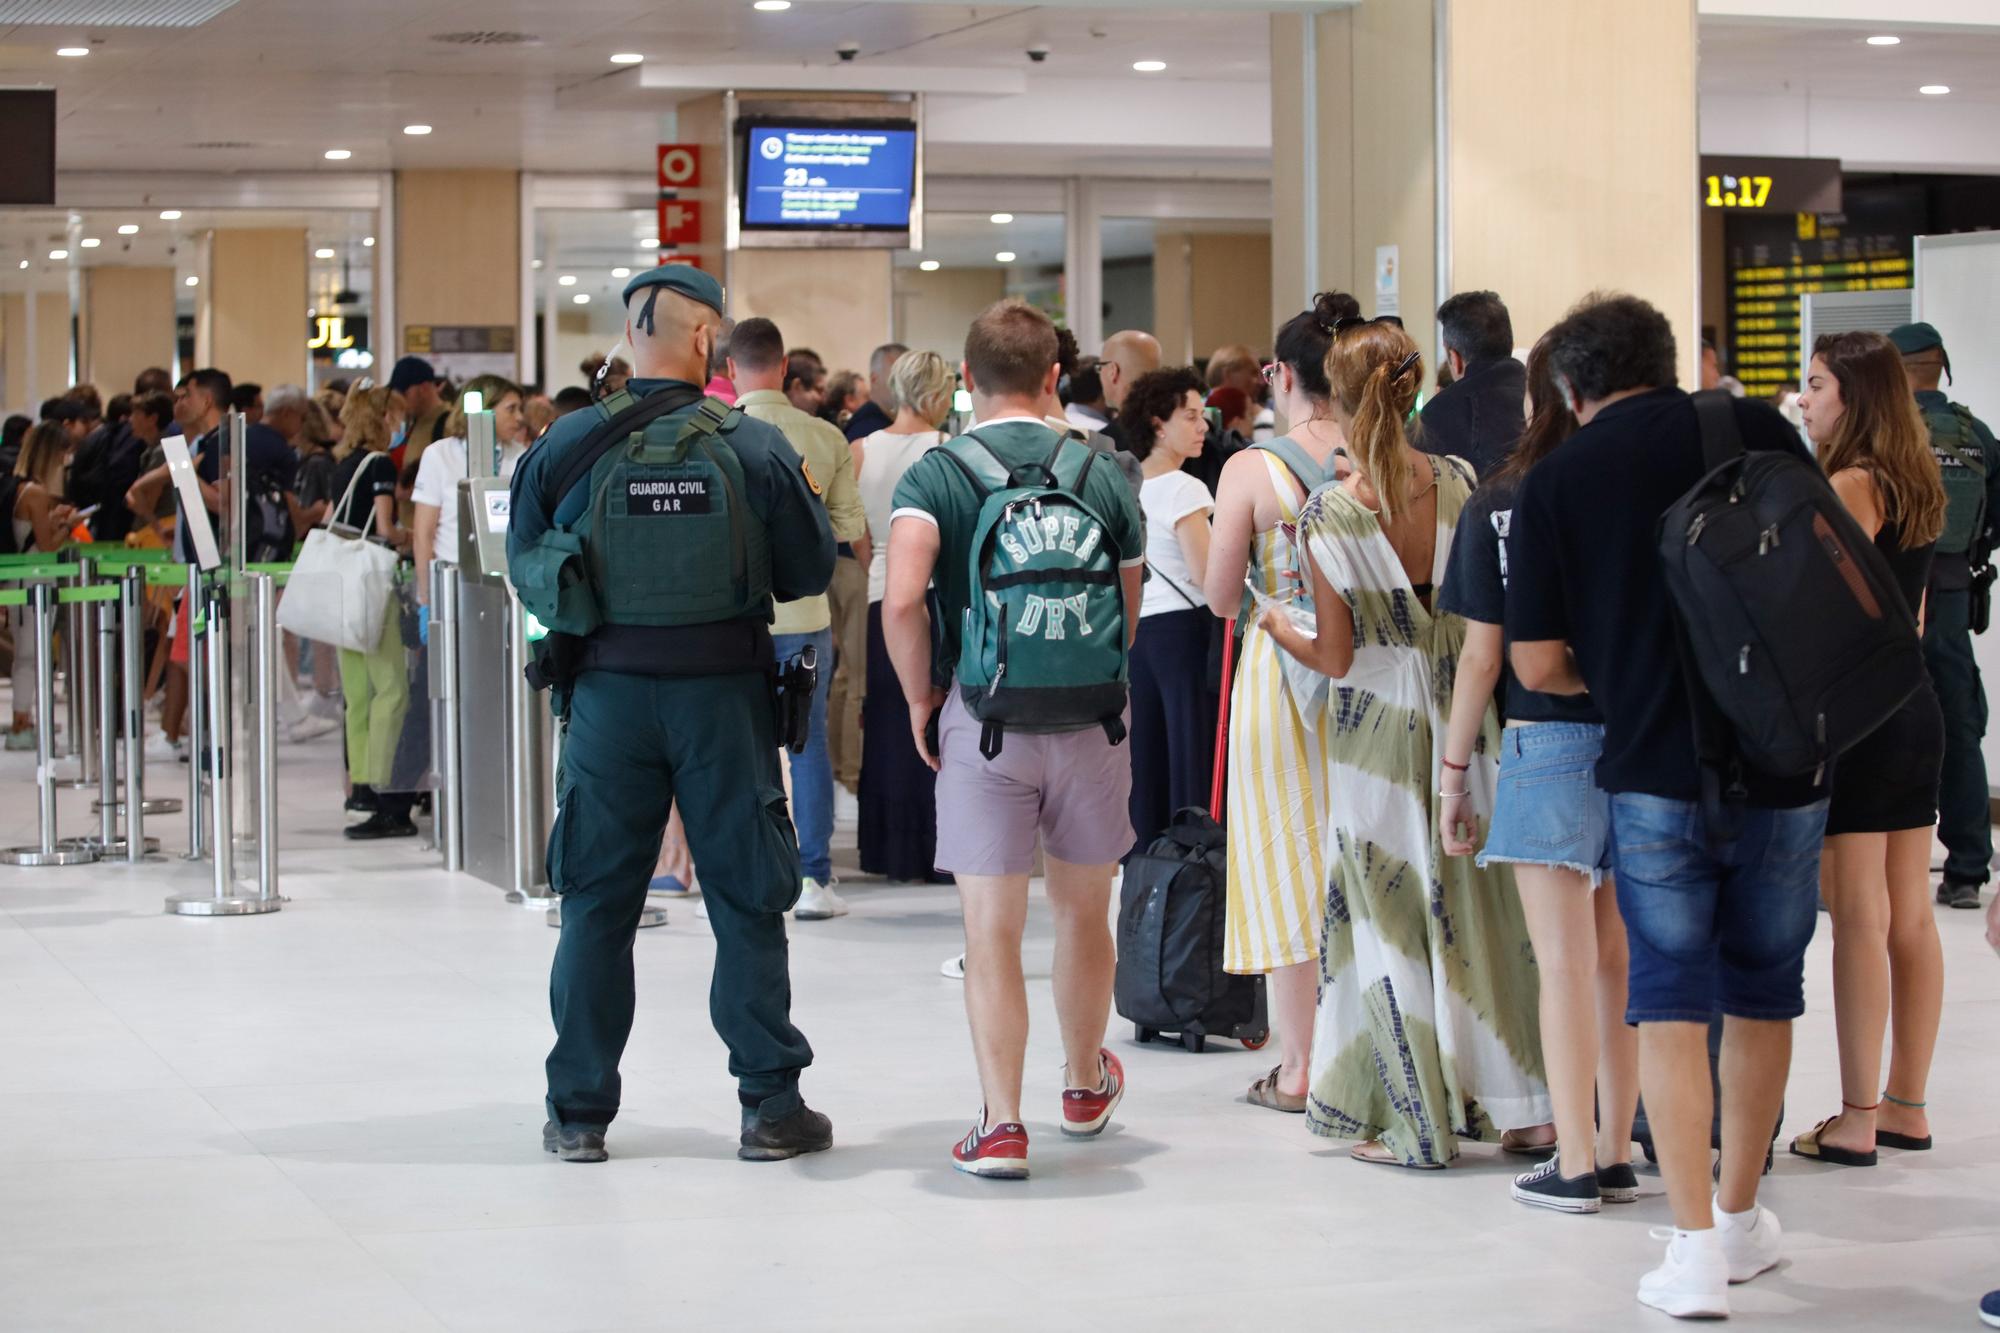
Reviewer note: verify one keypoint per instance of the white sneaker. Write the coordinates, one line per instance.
(310, 726)
(1693, 1280)
(1750, 1247)
(701, 909)
(326, 705)
(159, 748)
(818, 902)
(953, 968)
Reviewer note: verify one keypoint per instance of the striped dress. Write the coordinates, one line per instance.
(1427, 1029)
(1277, 785)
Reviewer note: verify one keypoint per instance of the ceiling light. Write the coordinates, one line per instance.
(929, 266)
(536, 264)
(650, 243)
(416, 129)
(368, 240)
(322, 253)
(193, 281)
(566, 280)
(129, 229)
(58, 254)
(73, 52)
(1934, 90)
(24, 263)
(1149, 66)
(581, 298)
(91, 242)
(1885, 41)
(621, 272)
(773, 6)
(1005, 256)
(170, 215)
(1002, 219)
(627, 58)
(337, 155)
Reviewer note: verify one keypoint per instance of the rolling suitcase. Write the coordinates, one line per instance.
(1172, 911)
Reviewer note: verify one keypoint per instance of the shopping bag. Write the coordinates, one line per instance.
(340, 585)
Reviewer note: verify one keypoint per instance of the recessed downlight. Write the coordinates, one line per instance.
(58, 254)
(24, 263)
(72, 52)
(322, 253)
(1002, 219)
(1934, 89)
(170, 215)
(416, 129)
(90, 242)
(1149, 66)
(1005, 257)
(929, 266)
(773, 6)
(338, 154)
(129, 229)
(1885, 40)
(193, 281)
(368, 240)
(650, 243)
(621, 272)
(566, 280)
(627, 58)
(581, 298)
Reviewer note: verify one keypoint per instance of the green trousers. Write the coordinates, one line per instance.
(633, 746)
(376, 687)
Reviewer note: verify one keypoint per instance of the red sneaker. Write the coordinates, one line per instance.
(1000, 1153)
(1087, 1111)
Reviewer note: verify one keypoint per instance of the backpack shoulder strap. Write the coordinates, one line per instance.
(1297, 461)
(618, 416)
(953, 451)
(1962, 444)
(1721, 439)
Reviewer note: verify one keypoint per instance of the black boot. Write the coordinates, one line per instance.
(804, 1130)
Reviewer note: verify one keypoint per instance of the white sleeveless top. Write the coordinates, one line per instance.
(884, 460)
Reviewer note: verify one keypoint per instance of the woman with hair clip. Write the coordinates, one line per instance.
(1875, 876)
(1553, 825)
(1276, 756)
(1426, 1030)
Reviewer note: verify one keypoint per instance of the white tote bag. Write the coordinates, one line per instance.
(341, 584)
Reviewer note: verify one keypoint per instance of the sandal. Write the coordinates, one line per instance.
(1885, 1138)
(1807, 1145)
(1264, 1092)
(1376, 1151)
(1517, 1141)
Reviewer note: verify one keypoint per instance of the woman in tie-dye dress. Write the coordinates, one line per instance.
(1427, 1029)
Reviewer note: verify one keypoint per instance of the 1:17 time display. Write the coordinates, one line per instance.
(1738, 191)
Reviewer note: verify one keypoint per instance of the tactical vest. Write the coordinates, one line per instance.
(1962, 463)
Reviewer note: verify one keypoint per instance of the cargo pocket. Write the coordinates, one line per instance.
(556, 861)
(778, 883)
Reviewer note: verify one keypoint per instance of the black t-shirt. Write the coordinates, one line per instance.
(379, 479)
(1585, 545)
(272, 467)
(1475, 586)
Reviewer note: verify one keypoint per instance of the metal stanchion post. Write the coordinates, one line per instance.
(268, 648)
(72, 672)
(197, 715)
(107, 731)
(46, 852)
(80, 679)
(130, 609)
(448, 825)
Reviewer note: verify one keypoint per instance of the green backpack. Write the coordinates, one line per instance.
(1044, 641)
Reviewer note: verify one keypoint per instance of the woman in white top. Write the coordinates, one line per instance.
(1173, 705)
(898, 826)
(434, 521)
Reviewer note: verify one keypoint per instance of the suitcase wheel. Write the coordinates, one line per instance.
(1257, 1043)
(1196, 1042)
(1144, 1035)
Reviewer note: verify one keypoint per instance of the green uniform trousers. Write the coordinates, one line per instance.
(1965, 823)
(633, 746)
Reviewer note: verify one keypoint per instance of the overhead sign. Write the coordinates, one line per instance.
(689, 261)
(1771, 184)
(680, 223)
(336, 333)
(829, 175)
(680, 166)
(444, 339)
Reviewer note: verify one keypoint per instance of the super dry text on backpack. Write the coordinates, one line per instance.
(1794, 634)
(1043, 647)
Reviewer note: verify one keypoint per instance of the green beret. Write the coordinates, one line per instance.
(1913, 338)
(686, 279)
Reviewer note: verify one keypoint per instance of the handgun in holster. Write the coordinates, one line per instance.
(795, 682)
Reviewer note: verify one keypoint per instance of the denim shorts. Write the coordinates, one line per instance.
(1716, 925)
(1548, 810)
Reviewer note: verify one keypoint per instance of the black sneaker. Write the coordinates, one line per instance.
(574, 1143)
(361, 803)
(1618, 1183)
(804, 1130)
(1547, 1187)
(1960, 893)
(380, 825)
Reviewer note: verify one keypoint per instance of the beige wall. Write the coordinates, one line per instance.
(833, 301)
(1573, 165)
(1210, 288)
(127, 324)
(933, 310)
(255, 305)
(458, 251)
(51, 348)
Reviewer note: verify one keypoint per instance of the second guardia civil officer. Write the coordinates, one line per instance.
(656, 567)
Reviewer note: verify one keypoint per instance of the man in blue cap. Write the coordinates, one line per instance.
(1959, 604)
(416, 382)
(651, 533)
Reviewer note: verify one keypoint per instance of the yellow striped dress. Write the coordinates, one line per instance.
(1277, 783)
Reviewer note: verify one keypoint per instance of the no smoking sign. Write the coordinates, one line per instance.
(680, 166)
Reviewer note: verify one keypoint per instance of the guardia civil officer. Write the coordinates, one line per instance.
(655, 566)
(1959, 601)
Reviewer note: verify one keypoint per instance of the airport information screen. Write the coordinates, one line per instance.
(814, 177)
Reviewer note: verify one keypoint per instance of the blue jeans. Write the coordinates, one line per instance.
(1716, 925)
(812, 771)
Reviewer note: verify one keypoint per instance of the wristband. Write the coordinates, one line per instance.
(1456, 768)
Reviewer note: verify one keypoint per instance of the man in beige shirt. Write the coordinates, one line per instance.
(757, 368)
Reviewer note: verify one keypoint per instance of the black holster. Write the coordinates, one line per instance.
(557, 657)
(1980, 611)
(792, 695)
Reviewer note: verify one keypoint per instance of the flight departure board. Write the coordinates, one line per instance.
(829, 176)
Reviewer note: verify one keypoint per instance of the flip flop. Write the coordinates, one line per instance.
(1264, 1092)
(1517, 1141)
(1889, 1139)
(1375, 1151)
(1807, 1145)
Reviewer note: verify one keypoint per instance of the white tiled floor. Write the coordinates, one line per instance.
(328, 1119)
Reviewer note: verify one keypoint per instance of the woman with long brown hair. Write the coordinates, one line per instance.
(1875, 877)
(41, 522)
(1425, 1032)
(1552, 823)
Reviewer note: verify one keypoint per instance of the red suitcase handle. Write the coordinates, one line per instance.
(1222, 721)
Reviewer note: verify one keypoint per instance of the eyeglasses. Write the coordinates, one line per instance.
(1346, 322)
(1270, 373)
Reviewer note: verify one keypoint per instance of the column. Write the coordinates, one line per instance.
(34, 348)
(458, 267)
(1516, 145)
(127, 324)
(254, 305)
(1210, 288)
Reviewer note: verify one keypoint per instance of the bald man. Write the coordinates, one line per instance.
(1127, 355)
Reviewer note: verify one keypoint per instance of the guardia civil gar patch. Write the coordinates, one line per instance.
(663, 497)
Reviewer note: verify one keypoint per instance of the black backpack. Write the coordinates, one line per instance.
(1794, 637)
(10, 495)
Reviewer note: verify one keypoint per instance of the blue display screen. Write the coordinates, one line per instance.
(829, 176)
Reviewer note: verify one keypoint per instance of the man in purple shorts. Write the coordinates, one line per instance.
(1069, 788)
